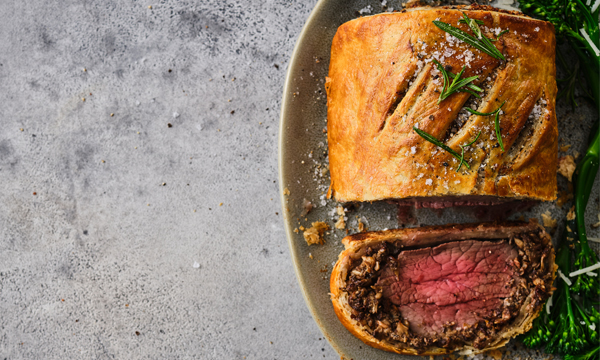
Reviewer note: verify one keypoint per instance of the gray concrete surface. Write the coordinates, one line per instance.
(122, 237)
(113, 240)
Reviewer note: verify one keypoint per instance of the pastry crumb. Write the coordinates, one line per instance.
(314, 234)
(564, 148)
(496, 354)
(571, 214)
(549, 222)
(286, 191)
(341, 223)
(308, 206)
(566, 166)
(361, 226)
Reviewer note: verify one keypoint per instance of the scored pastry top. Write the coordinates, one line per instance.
(384, 82)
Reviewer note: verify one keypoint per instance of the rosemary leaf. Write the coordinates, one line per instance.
(480, 22)
(498, 134)
(473, 25)
(471, 143)
(501, 33)
(462, 36)
(470, 86)
(479, 42)
(475, 112)
(496, 121)
(470, 92)
(436, 142)
(464, 82)
(462, 155)
(457, 83)
(482, 39)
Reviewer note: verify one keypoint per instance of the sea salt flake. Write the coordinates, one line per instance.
(365, 10)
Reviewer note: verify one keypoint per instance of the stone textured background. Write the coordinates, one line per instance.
(139, 204)
(99, 259)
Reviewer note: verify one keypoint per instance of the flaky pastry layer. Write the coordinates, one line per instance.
(382, 82)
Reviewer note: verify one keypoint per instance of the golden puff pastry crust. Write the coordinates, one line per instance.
(414, 238)
(382, 82)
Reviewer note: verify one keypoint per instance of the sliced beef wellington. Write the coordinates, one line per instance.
(435, 290)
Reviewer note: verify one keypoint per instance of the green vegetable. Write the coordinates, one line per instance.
(433, 140)
(569, 336)
(478, 41)
(578, 24)
(457, 83)
(544, 327)
(569, 17)
(590, 355)
(569, 327)
(585, 175)
(568, 91)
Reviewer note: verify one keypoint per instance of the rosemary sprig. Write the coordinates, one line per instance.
(501, 33)
(434, 141)
(498, 134)
(471, 86)
(462, 155)
(496, 121)
(457, 83)
(479, 22)
(479, 41)
(474, 112)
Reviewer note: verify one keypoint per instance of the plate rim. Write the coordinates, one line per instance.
(282, 197)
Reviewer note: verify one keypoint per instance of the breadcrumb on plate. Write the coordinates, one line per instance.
(361, 227)
(549, 222)
(566, 166)
(314, 234)
(564, 148)
(496, 354)
(341, 223)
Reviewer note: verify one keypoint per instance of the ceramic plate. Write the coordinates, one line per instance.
(304, 177)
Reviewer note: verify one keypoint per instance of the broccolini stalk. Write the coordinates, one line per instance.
(591, 334)
(575, 335)
(585, 175)
(590, 355)
(542, 330)
(571, 326)
(578, 23)
(569, 336)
